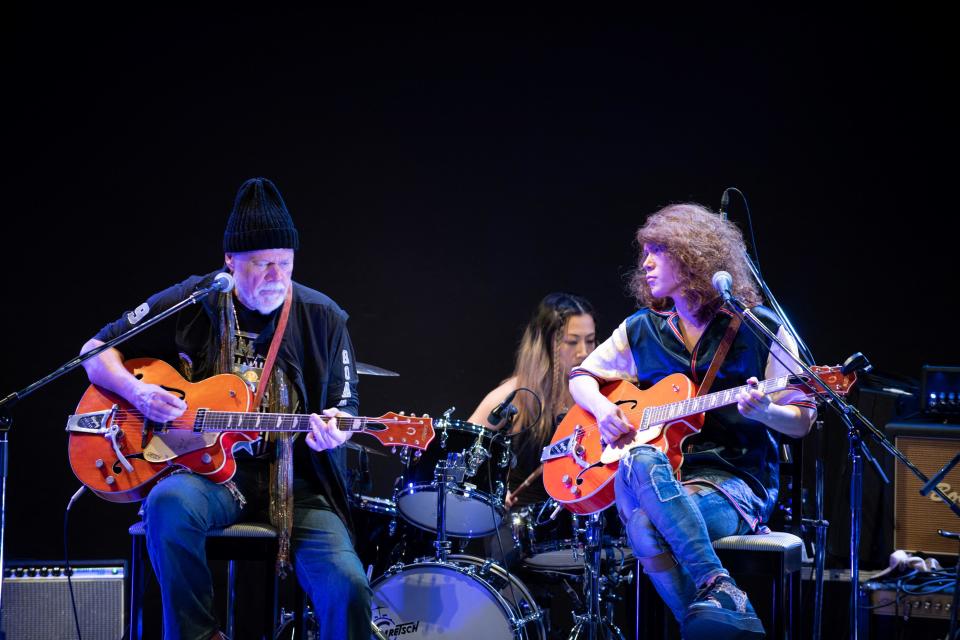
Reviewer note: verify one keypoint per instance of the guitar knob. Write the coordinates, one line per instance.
(206, 458)
(566, 480)
(403, 413)
(426, 415)
(99, 463)
(109, 480)
(575, 491)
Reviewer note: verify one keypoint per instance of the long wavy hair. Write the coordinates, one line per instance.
(700, 243)
(538, 364)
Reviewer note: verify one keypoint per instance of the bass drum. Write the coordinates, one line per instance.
(465, 598)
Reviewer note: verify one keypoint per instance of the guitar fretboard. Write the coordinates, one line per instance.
(286, 422)
(693, 406)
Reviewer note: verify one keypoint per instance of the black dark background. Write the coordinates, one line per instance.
(447, 171)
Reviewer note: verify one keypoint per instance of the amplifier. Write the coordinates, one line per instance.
(940, 390)
(916, 517)
(36, 601)
(884, 602)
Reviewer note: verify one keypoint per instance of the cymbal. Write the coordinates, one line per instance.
(365, 369)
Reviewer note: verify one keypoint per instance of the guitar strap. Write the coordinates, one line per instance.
(719, 356)
(274, 348)
(281, 469)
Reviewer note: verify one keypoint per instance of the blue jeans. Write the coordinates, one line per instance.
(662, 518)
(182, 508)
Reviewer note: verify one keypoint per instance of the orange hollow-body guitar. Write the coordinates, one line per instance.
(579, 468)
(120, 455)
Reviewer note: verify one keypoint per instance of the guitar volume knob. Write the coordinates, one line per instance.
(206, 458)
(99, 463)
(109, 480)
(566, 480)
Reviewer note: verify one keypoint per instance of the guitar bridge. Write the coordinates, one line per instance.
(569, 446)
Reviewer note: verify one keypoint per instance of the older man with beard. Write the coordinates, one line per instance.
(313, 373)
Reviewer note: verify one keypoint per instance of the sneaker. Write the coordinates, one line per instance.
(722, 611)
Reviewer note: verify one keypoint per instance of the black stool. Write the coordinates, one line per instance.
(244, 541)
(770, 562)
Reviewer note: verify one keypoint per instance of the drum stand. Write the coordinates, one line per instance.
(594, 625)
(450, 470)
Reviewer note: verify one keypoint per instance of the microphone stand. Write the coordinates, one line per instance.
(819, 523)
(854, 420)
(7, 403)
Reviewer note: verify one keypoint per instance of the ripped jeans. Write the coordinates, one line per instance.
(662, 517)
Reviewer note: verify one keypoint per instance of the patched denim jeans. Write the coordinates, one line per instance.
(183, 507)
(661, 516)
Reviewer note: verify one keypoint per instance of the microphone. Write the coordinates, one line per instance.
(223, 282)
(724, 204)
(723, 283)
(497, 415)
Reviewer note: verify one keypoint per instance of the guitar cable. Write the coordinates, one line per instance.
(66, 557)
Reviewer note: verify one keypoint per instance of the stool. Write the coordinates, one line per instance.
(254, 541)
(772, 560)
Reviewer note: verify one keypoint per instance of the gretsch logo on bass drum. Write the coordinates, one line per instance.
(391, 629)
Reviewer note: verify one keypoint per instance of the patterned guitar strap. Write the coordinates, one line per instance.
(281, 469)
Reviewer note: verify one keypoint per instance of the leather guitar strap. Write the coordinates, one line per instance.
(274, 348)
(719, 356)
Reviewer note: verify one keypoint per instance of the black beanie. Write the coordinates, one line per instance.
(259, 220)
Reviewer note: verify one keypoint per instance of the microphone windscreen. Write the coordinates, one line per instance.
(224, 282)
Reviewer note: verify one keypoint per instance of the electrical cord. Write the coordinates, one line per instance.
(66, 558)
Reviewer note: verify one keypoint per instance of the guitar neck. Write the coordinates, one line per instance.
(715, 400)
(217, 421)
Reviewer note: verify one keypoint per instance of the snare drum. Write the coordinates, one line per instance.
(465, 598)
(551, 545)
(475, 505)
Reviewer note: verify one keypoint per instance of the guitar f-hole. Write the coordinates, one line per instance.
(627, 401)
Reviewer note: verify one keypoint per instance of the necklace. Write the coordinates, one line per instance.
(236, 318)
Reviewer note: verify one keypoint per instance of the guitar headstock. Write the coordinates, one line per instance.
(399, 430)
(828, 377)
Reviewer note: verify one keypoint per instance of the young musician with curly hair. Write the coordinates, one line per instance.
(728, 482)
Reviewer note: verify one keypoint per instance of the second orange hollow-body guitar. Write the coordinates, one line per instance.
(120, 455)
(579, 467)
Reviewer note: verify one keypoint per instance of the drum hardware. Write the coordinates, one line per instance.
(472, 509)
(476, 456)
(594, 624)
(445, 472)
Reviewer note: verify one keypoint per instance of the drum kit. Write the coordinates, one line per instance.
(453, 492)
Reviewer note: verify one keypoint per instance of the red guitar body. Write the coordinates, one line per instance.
(591, 489)
(96, 464)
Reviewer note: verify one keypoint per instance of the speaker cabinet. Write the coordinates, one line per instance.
(36, 601)
(916, 517)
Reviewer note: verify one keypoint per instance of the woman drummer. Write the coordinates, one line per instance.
(560, 335)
